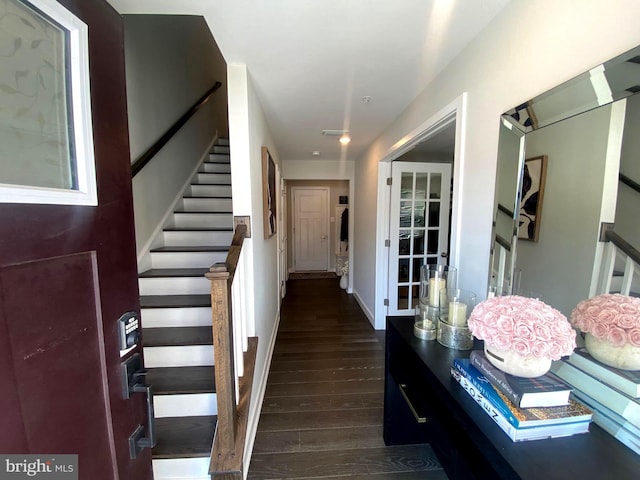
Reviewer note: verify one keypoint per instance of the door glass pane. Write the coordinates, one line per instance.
(405, 213)
(432, 241)
(418, 214)
(415, 295)
(406, 185)
(35, 144)
(404, 244)
(403, 300)
(418, 242)
(403, 270)
(422, 184)
(415, 275)
(435, 190)
(434, 214)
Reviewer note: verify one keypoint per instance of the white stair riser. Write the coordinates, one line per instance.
(195, 468)
(213, 178)
(185, 405)
(176, 317)
(178, 356)
(174, 286)
(221, 149)
(206, 205)
(210, 190)
(186, 259)
(203, 220)
(210, 167)
(194, 238)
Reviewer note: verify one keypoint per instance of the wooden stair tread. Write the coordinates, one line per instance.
(182, 437)
(203, 248)
(182, 380)
(173, 272)
(177, 336)
(173, 301)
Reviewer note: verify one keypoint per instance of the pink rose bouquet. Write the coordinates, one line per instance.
(611, 316)
(528, 326)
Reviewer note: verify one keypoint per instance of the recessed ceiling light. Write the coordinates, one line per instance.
(315, 153)
(344, 139)
(366, 99)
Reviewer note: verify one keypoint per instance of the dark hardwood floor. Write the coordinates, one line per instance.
(323, 407)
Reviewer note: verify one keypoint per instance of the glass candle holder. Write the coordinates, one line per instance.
(425, 325)
(434, 278)
(457, 304)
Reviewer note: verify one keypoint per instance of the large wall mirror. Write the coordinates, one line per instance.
(568, 173)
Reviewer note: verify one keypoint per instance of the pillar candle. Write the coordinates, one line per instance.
(457, 314)
(435, 285)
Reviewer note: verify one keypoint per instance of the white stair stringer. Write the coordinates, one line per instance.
(197, 235)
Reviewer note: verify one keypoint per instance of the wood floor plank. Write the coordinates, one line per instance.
(317, 440)
(274, 422)
(330, 375)
(412, 458)
(319, 388)
(307, 403)
(278, 366)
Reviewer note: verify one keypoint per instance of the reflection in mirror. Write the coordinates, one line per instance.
(592, 180)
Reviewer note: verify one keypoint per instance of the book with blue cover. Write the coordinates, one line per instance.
(573, 412)
(547, 390)
(518, 434)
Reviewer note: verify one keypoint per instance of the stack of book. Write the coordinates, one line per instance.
(552, 412)
(612, 394)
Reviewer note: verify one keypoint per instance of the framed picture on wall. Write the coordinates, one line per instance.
(268, 193)
(533, 179)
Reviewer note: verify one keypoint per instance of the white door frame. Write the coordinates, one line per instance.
(327, 191)
(456, 112)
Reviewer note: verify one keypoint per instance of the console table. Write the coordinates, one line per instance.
(424, 404)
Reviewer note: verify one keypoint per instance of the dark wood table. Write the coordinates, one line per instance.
(467, 441)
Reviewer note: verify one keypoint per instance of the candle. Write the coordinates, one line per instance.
(435, 285)
(457, 314)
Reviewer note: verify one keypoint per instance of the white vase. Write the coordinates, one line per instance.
(344, 281)
(511, 362)
(626, 357)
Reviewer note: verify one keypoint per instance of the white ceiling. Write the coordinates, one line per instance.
(312, 61)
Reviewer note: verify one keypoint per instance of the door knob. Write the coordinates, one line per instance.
(323, 237)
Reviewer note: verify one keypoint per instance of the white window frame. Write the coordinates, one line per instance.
(86, 194)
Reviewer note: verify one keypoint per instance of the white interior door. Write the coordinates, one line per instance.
(311, 229)
(419, 228)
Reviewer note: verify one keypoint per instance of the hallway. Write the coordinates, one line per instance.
(323, 408)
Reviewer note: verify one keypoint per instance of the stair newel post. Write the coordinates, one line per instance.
(220, 279)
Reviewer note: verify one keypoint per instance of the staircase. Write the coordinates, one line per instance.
(176, 319)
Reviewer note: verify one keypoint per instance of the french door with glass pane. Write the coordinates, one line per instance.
(419, 228)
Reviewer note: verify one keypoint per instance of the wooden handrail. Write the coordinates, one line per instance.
(221, 277)
(629, 182)
(143, 159)
(623, 245)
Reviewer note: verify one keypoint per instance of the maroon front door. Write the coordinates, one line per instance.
(67, 273)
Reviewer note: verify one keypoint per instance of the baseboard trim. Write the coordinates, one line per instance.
(364, 308)
(254, 416)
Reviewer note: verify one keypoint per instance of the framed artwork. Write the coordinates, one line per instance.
(46, 134)
(268, 193)
(533, 179)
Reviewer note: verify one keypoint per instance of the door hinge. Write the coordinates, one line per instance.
(386, 302)
(387, 243)
(389, 181)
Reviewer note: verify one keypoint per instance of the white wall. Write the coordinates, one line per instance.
(171, 61)
(248, 132)
(529, 48)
